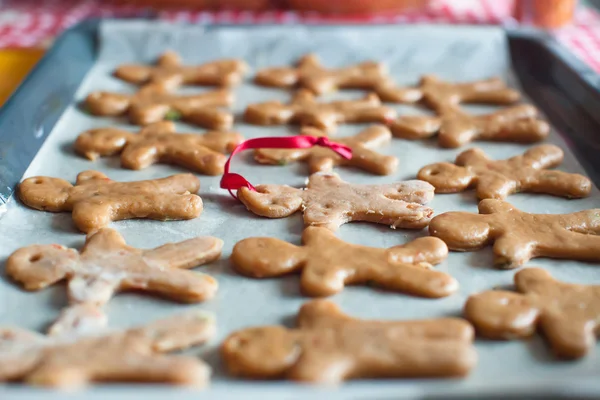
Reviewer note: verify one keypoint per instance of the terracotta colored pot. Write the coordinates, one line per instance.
(250, 5)
(357, 6)
(547, 14)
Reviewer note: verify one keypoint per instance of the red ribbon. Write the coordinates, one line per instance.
(232, 181)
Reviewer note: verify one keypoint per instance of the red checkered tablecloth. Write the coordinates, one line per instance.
(27, 23)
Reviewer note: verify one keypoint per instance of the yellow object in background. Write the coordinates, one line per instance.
(15, 64)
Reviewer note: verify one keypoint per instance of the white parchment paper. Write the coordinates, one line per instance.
(454, 53)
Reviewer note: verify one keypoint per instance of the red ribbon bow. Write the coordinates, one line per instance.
(232, 181)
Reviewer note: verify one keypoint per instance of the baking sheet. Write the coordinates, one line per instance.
(454, 53)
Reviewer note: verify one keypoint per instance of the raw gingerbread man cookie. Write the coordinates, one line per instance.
(170, 72)
(153, 103)
(519, 236)
(321, 159)
(158, 143)
(75, 359)
(329, 346)
(306, 111)
(330, 202)
(456, 128)
(498, 179)
(95, 200)
(567, 314)
(442, 96)
(310, 74)
(106, 265)
(328, 263)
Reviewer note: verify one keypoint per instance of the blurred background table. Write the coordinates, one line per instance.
(27, 27)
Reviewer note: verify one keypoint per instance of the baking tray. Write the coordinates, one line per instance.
(40, 121)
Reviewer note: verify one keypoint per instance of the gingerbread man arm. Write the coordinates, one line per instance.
(272, 201)
(280, 77)
(173, 280)
(20, 352)
(39, 266)
(102, 142)
(416, 127)
(363, 155)
(78, 320)
(209, 118)
(391, 93)
(557, 183)
(46, 194)
(487, 91)
(263, 257)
